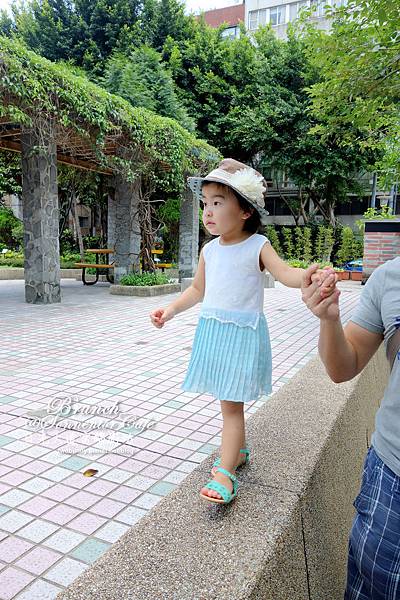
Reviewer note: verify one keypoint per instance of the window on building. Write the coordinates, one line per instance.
(320, 4)
(257, 18)
(277, 15)
(295, 8)
(231, 32)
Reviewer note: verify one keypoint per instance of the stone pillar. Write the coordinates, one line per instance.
(188, 235)
(111, 214)
(40, 214)
(126, 227)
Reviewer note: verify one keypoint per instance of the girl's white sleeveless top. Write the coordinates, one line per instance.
(234, 288)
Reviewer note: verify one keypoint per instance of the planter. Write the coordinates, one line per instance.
(343, 275)
(145, 290)
(356, 275)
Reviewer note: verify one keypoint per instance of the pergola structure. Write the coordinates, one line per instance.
(45, 140)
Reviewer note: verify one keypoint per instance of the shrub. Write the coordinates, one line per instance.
(323, 244)
(11, 229)
(273, 237)
(298, 242)
(287, 242)
(144, 279)
(295, 262)
(346, 250)
(307, 245)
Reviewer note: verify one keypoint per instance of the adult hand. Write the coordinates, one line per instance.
(325, 308)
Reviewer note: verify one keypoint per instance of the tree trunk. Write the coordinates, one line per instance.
(77, 225)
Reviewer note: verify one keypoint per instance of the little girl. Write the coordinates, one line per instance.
(231, 355)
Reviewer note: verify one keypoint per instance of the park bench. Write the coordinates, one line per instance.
(160, 265)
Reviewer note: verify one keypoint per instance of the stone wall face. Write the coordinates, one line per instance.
(188, 235)
(41, 216)
(381, 243)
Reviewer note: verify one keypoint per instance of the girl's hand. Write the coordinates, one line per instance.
(322, 305)
(161, 315)
(326, 279)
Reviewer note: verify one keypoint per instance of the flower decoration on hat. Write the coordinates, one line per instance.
(250, 184)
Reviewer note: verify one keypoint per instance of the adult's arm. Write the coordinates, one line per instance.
(346, 351)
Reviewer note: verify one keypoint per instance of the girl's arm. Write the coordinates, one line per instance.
(194, 293)
(191, 296)
(289, 276)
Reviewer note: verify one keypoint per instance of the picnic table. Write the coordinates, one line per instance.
(99, 266)
(160, 265)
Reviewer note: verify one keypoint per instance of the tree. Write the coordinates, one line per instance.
(356, 100)
(143, 80)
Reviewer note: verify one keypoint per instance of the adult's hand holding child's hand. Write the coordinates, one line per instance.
(319, 292)
(160, 316)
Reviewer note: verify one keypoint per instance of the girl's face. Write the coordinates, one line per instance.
(222, 213)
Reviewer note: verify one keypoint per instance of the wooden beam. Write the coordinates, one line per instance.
(61, 158)
(9, 132)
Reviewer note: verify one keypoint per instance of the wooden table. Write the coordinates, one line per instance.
(99, 266)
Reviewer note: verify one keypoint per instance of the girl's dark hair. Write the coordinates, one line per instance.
(253, 223)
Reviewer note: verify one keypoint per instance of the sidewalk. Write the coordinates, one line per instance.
(98, 349)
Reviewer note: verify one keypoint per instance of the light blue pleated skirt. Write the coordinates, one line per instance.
(230, 362)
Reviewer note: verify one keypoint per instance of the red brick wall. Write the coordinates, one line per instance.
(379, 246)
(230, 14)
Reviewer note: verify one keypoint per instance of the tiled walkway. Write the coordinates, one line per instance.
(98, 349)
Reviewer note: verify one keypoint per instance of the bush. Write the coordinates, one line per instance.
(295, 262)
(298, 242)
(287, 242)
(273, 237)
(347, 249)
(323, 244)
(307, 245)
(12, 259)
(144, 279)
(11, 229)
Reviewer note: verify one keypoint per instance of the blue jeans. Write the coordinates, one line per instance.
(373, 569)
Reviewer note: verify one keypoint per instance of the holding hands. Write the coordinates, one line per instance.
(319, 292)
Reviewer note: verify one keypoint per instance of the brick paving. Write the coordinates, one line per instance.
(101, 350)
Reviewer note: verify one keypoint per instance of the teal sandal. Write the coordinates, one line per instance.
(227, 496)
(217, 461)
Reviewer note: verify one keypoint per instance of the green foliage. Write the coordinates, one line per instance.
(11, 258)
(144, 279)
(355, 100)
(27, 81)
(298, 242)
(296, 262)
(273, 237)
(11, 229)
(169, 211)
(348, 249)
(143, 80)
(10, 173)
(373, 213)
(323, 243)
(288, 242)
(307, 244)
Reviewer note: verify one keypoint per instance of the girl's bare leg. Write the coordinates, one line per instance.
(233, 439)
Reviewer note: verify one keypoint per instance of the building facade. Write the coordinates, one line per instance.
(231, 15)
(279, 13)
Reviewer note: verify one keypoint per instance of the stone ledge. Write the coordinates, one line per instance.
(285, 536)
(145, 290)
(18, 273)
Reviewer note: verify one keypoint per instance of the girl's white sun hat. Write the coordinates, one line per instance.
(245, 180)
